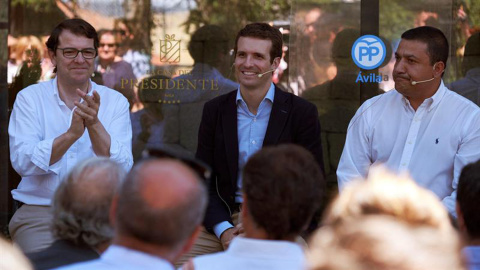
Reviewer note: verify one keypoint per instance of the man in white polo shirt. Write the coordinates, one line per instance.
(56, 124)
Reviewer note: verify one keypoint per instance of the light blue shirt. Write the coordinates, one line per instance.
(251, 129)
(473, 256)
(122, 258)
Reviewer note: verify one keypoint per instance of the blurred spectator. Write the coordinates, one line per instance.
(132, 51)
(12, 257)
(147, 123)
(26, 49)
(469, 86)
(382, 242)
(468, 201)
(280, 196)
(337, 100)
(384, 193)
(209, 46)
(116, 73)
(153, 224)
(81, 208)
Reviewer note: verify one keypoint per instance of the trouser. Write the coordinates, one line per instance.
(206, 243)
(30, 227)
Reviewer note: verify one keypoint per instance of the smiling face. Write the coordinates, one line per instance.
(78, 70)
(253, 58)
(413, 64)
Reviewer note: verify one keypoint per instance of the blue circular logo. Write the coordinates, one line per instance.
(368, 52)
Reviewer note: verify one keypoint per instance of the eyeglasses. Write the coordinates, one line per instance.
(109, 45)
(200, 168)
(72, 53)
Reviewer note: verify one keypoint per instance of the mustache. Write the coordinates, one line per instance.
(397, 76)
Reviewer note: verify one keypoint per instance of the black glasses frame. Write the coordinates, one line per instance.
(78, 51)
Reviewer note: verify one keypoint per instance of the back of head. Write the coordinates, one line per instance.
(437, 43)
(82, 202)
(283, 187)
(78, 27)
(342, 46)
(384, 193)
(468, 199)
(207, 44)
(381, 242)
(266, 32)
(471, 56)
(161, 203)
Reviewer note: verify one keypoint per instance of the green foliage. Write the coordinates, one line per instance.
(394, 18)
(36, 5)
(234, 14)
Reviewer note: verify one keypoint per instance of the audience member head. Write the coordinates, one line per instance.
(78, 27)
(209, 45)
(384, 193)
(108, 45)
(28, 49)
(383, 242)
(285, 177)
(437, 43)
(82, 202)
(266, 32)
(160, 208)
(468, 200)
(471, 56)
(12, 257)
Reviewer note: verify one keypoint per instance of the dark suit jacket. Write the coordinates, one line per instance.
(60, 253)
(292, 120)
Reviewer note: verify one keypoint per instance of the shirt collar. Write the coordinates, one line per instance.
(55, 89)
(269, 96)
(267, 248)
(126, 256)
(432, 101)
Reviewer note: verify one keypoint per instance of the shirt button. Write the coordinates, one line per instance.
(403, 164)
(254, 142)
(410, 142)
(254, 119)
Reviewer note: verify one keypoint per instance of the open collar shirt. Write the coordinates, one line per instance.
(123, 258)
(253, 254)
(433, 143)
(38, 117)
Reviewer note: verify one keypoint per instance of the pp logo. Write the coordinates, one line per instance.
(368, 52)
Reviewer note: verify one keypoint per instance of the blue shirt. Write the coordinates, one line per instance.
(251, 131)
(473, 256)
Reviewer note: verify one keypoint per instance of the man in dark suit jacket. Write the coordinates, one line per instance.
(236, 125)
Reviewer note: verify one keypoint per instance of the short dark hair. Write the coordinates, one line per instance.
(207, 43)
(77, 27)
(283, 188)
(437, 43)
(468, 198)
(166, 227)
(263, 31)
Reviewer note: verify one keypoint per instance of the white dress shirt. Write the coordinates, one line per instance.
(122, 258)
(38, 117)
(432, 143)
(253, 254)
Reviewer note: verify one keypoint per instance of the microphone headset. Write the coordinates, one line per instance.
(417, 82)
(262, 74)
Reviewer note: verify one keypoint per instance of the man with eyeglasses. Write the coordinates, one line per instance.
(56, 124)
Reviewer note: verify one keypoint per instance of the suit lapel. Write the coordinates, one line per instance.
(278, 117)
(229, 124)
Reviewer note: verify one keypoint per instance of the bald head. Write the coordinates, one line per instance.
(161, 202)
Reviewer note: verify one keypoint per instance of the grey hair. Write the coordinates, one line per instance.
(82, 202)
